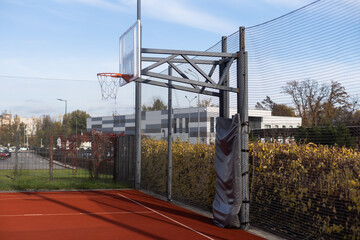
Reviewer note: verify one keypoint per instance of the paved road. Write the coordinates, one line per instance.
(26, 160)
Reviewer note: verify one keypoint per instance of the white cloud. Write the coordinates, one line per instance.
(289, 3)
(178, 12)
(104, 4)
(170, 11)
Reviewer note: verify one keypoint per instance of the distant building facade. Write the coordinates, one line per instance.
(6, 119)
(189, 124)
(30, 124)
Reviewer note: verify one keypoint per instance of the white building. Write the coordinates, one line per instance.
(264, 119)
(200, 126)
(30, 125)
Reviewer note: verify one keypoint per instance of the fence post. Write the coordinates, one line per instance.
(242, 82)
(16, 155)
(169, 189)
(130, 158)
(224, 95)
(138, 116)
(51, 158)
(116, 159)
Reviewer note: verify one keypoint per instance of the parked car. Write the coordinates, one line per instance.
(12, 149)
(7, 152)
(3, 156)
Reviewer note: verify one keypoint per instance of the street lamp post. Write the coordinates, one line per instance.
(189, 115)
(197, 77)
(63, 100)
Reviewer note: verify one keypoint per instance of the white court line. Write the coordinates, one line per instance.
(72, 214)
(46, 197)
(169, 218)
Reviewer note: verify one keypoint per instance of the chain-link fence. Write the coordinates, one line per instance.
(306, 64)
(85, 161)
(303, 70)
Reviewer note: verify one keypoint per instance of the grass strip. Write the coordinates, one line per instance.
(63, 179)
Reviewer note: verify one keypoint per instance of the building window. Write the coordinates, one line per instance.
(276, 126)
(284, 126)
(212, 124)
(186, 125)
(267, 126)
(174, 125)
(180, 125)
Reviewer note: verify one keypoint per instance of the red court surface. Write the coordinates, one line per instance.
(113, 214)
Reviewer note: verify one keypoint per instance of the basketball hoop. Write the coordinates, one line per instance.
(110, 83)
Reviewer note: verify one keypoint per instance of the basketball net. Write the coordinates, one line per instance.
(110, 83)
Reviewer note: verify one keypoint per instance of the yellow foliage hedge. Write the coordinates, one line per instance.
(307, 189)
(301, 188)
(193, 170)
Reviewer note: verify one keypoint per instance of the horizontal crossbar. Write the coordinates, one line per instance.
(189, 81)
(177, 87)
(191, 53)
(178, 60)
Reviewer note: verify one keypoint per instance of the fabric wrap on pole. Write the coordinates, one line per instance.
(227, 201)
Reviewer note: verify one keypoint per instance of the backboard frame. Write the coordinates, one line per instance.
(130, 51)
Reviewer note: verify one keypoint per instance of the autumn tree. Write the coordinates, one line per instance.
(265, 104)
(48, 128)
(155, 105)
(352, 116)
(355, 121)
(206, 102)
(8, 132)
(276, 109)
(75, 121)
(318, 104)
(336, 105)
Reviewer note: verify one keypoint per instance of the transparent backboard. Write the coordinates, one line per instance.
(130, 52)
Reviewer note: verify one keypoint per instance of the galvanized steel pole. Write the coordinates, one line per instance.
(169, 186)
(138, 9)
(138, 116)
(224, 95)
(242, 82)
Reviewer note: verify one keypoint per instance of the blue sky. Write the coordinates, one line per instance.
(53, 49)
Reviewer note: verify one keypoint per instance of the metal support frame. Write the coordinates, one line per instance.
(224, 80)
(210, 87)
(242, 82)
(207, 87)
(170, 123)
(137, 135)
(138, 117)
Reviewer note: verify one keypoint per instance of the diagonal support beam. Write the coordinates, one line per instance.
(180, 72)
(199, 70)
(159, 63)
(212, 70)
(226, 71)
